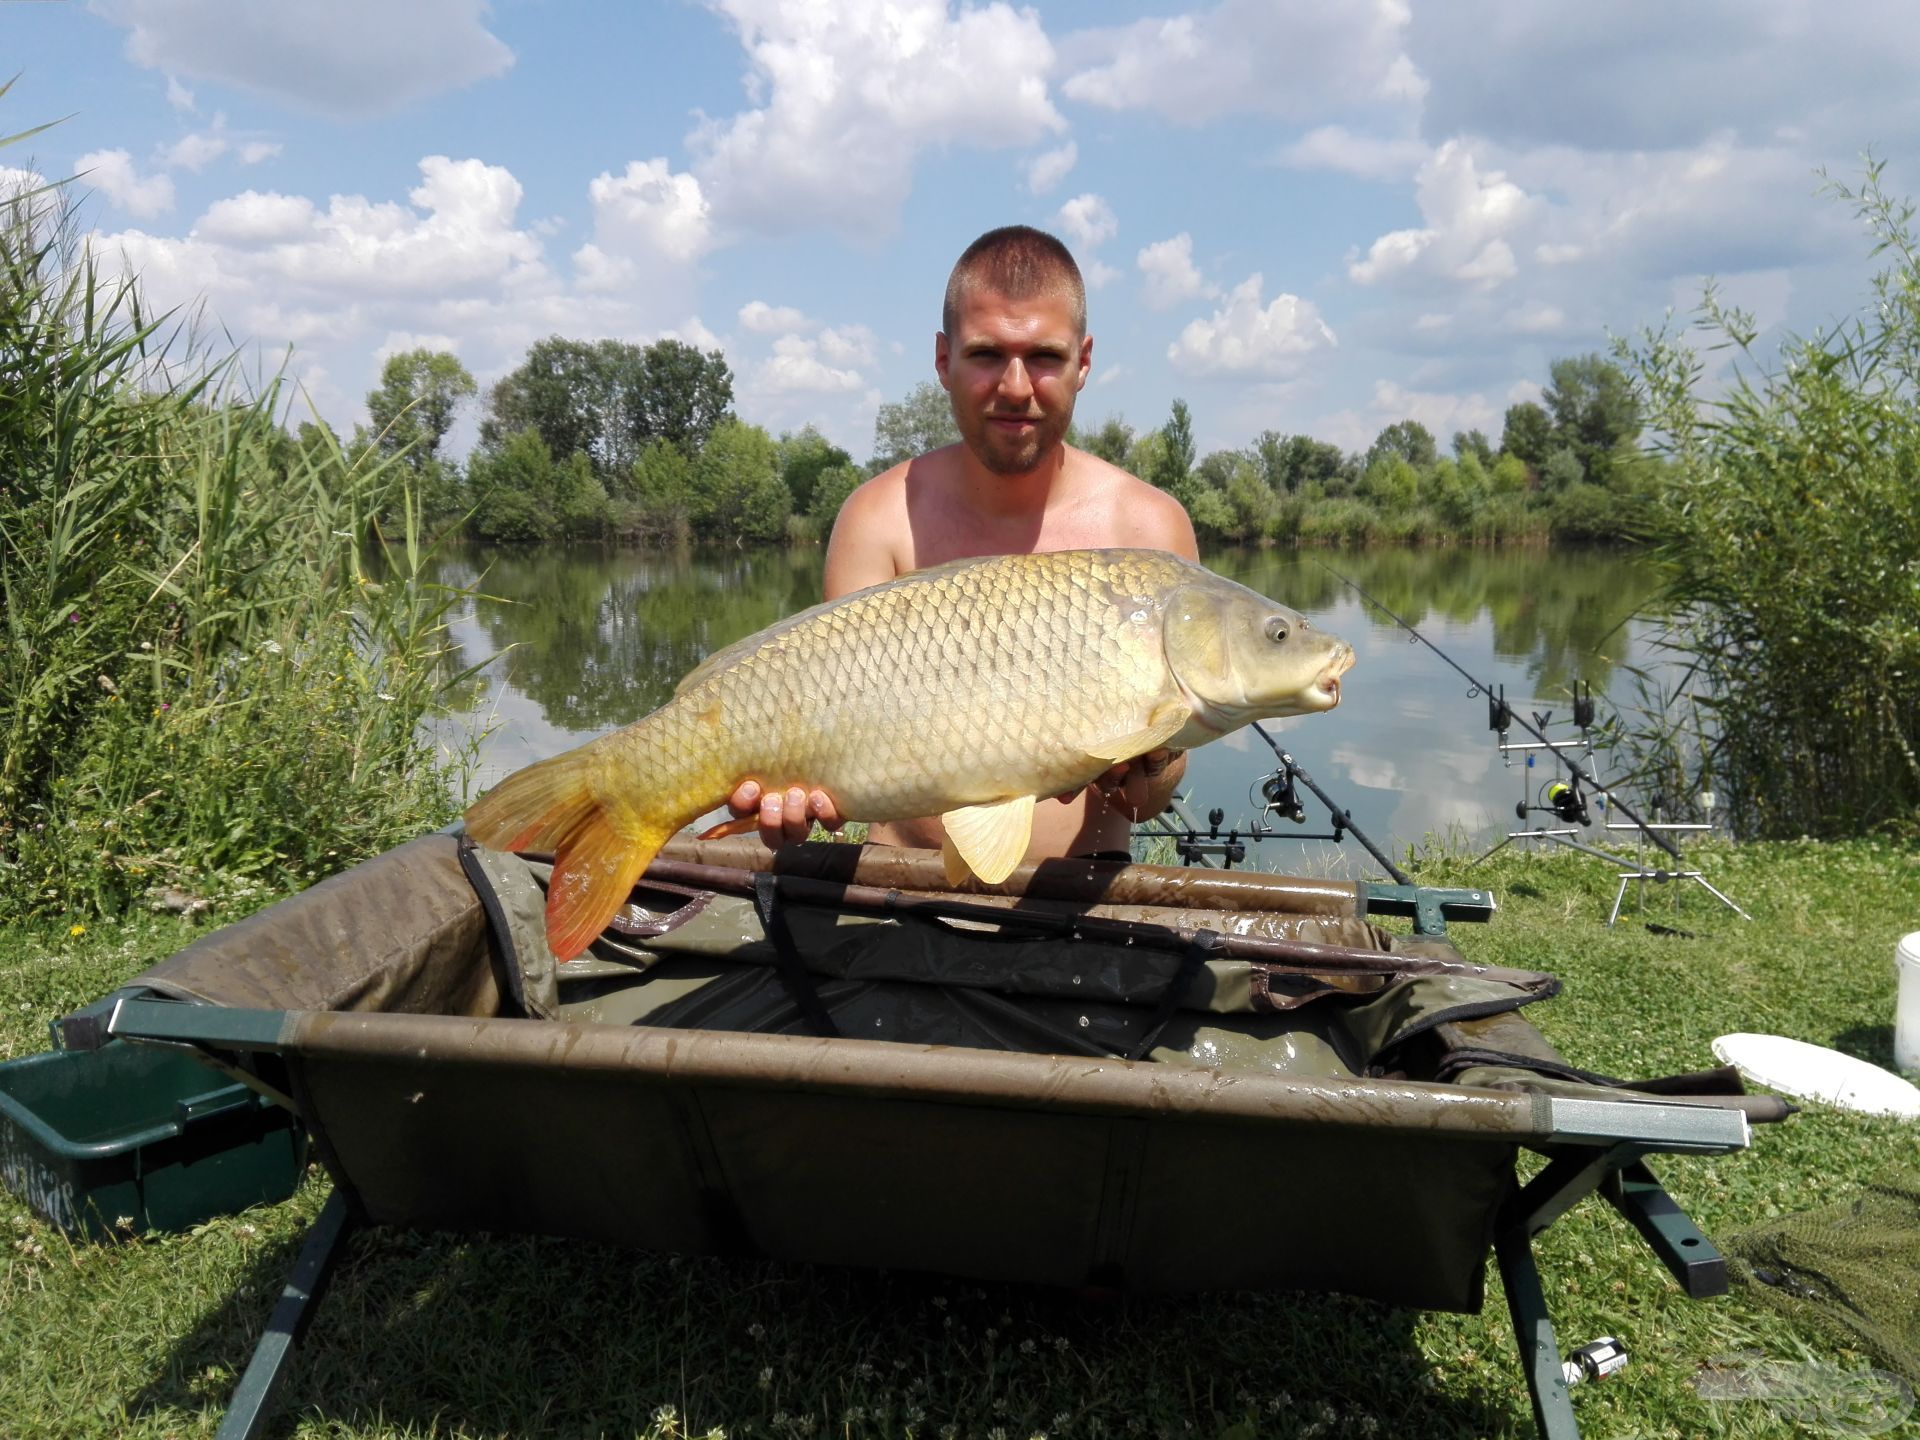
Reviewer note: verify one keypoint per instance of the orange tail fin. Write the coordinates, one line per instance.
(552, 806)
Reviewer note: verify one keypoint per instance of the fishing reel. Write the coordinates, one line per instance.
(1281, 798)
(1280, 795)
(1562, 799)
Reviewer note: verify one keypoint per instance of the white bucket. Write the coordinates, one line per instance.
(1906, 1024)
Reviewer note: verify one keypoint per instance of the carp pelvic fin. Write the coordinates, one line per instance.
(989, 840)
(552, 806)
(1161, 726)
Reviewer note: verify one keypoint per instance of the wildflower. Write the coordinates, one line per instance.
(756, 1330)
(77, 930)
(855, 1414)
(1059, 1421)
(1027, 1346)
(1061, 1344)
(766, 1377)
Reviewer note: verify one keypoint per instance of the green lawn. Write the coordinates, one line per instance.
(445, 1337)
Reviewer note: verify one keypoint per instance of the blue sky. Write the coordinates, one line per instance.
(1310, 216)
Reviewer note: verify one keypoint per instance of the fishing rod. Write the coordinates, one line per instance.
(1574, 767)
(1281, 798)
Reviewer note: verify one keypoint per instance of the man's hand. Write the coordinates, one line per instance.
(1142, 787)
(783, 817)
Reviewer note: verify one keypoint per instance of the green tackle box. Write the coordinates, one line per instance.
(126, 1138)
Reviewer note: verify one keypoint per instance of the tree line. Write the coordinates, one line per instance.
(611, 440)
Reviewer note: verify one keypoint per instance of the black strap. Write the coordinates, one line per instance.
(793, 970)
(1204, 946)
(515, 977)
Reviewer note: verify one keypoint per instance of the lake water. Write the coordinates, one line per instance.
(584, 639)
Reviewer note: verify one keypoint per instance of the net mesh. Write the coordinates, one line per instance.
(1852, 1269)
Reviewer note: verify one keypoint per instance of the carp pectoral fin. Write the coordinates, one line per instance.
(957, 871)
(989, 839)
(1162, 726)
(742, 826)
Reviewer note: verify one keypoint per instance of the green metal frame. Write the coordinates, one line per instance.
(249, 1409)
(1431, 906)
(1598, 1144)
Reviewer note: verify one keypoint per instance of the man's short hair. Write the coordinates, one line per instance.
(1020, 263)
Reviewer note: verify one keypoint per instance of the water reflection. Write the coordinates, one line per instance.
(589, 638)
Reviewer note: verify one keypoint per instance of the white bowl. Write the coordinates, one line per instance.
(1813, 1072)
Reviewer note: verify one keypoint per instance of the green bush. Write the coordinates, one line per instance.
(212, 665)
(1336, 522)
(1586, 512)
(1791, 535)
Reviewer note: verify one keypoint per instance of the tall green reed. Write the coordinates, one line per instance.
(215, 665)
(1791, 541)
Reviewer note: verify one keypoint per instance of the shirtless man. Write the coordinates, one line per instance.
(1012, 354)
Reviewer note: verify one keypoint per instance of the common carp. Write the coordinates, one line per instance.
(966, 691)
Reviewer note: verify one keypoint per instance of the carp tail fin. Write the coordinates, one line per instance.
(553, 806)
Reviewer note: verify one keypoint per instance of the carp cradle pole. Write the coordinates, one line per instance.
(1578, 770)
(840, 895)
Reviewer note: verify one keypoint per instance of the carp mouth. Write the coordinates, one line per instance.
(1328, 683)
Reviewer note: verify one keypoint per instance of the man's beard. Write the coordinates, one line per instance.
(1021, 456)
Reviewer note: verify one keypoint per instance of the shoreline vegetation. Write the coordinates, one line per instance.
(607, 440)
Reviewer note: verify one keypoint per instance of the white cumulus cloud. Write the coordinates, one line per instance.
(1170, 274)
(652, 209)
(1468, 215)
(849, 345)
(1050, 167)
(846, 96)
(1088, 219)
(347, 57)
(765, 319)
(195, 151)
(795, 365)
(1371, 157)
(111, 172)
(1245, 337)
(252, 219)
(1295, 58)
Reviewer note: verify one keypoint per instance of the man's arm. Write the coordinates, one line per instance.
(865, 547)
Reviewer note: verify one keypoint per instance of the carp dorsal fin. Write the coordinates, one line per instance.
(1165, 723)
(988, 840)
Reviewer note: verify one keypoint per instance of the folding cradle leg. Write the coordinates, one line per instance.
(1533, 1329)
(247, 1412)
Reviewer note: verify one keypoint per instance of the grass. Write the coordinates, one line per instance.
(445, 1336)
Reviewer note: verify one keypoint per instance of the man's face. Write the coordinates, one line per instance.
(1012, 369)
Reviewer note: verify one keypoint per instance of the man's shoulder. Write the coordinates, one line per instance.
(892, 484)
(1145, 514)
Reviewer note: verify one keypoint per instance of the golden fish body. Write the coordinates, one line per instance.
(963, 691)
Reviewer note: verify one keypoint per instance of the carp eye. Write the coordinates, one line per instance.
(1276, 630)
